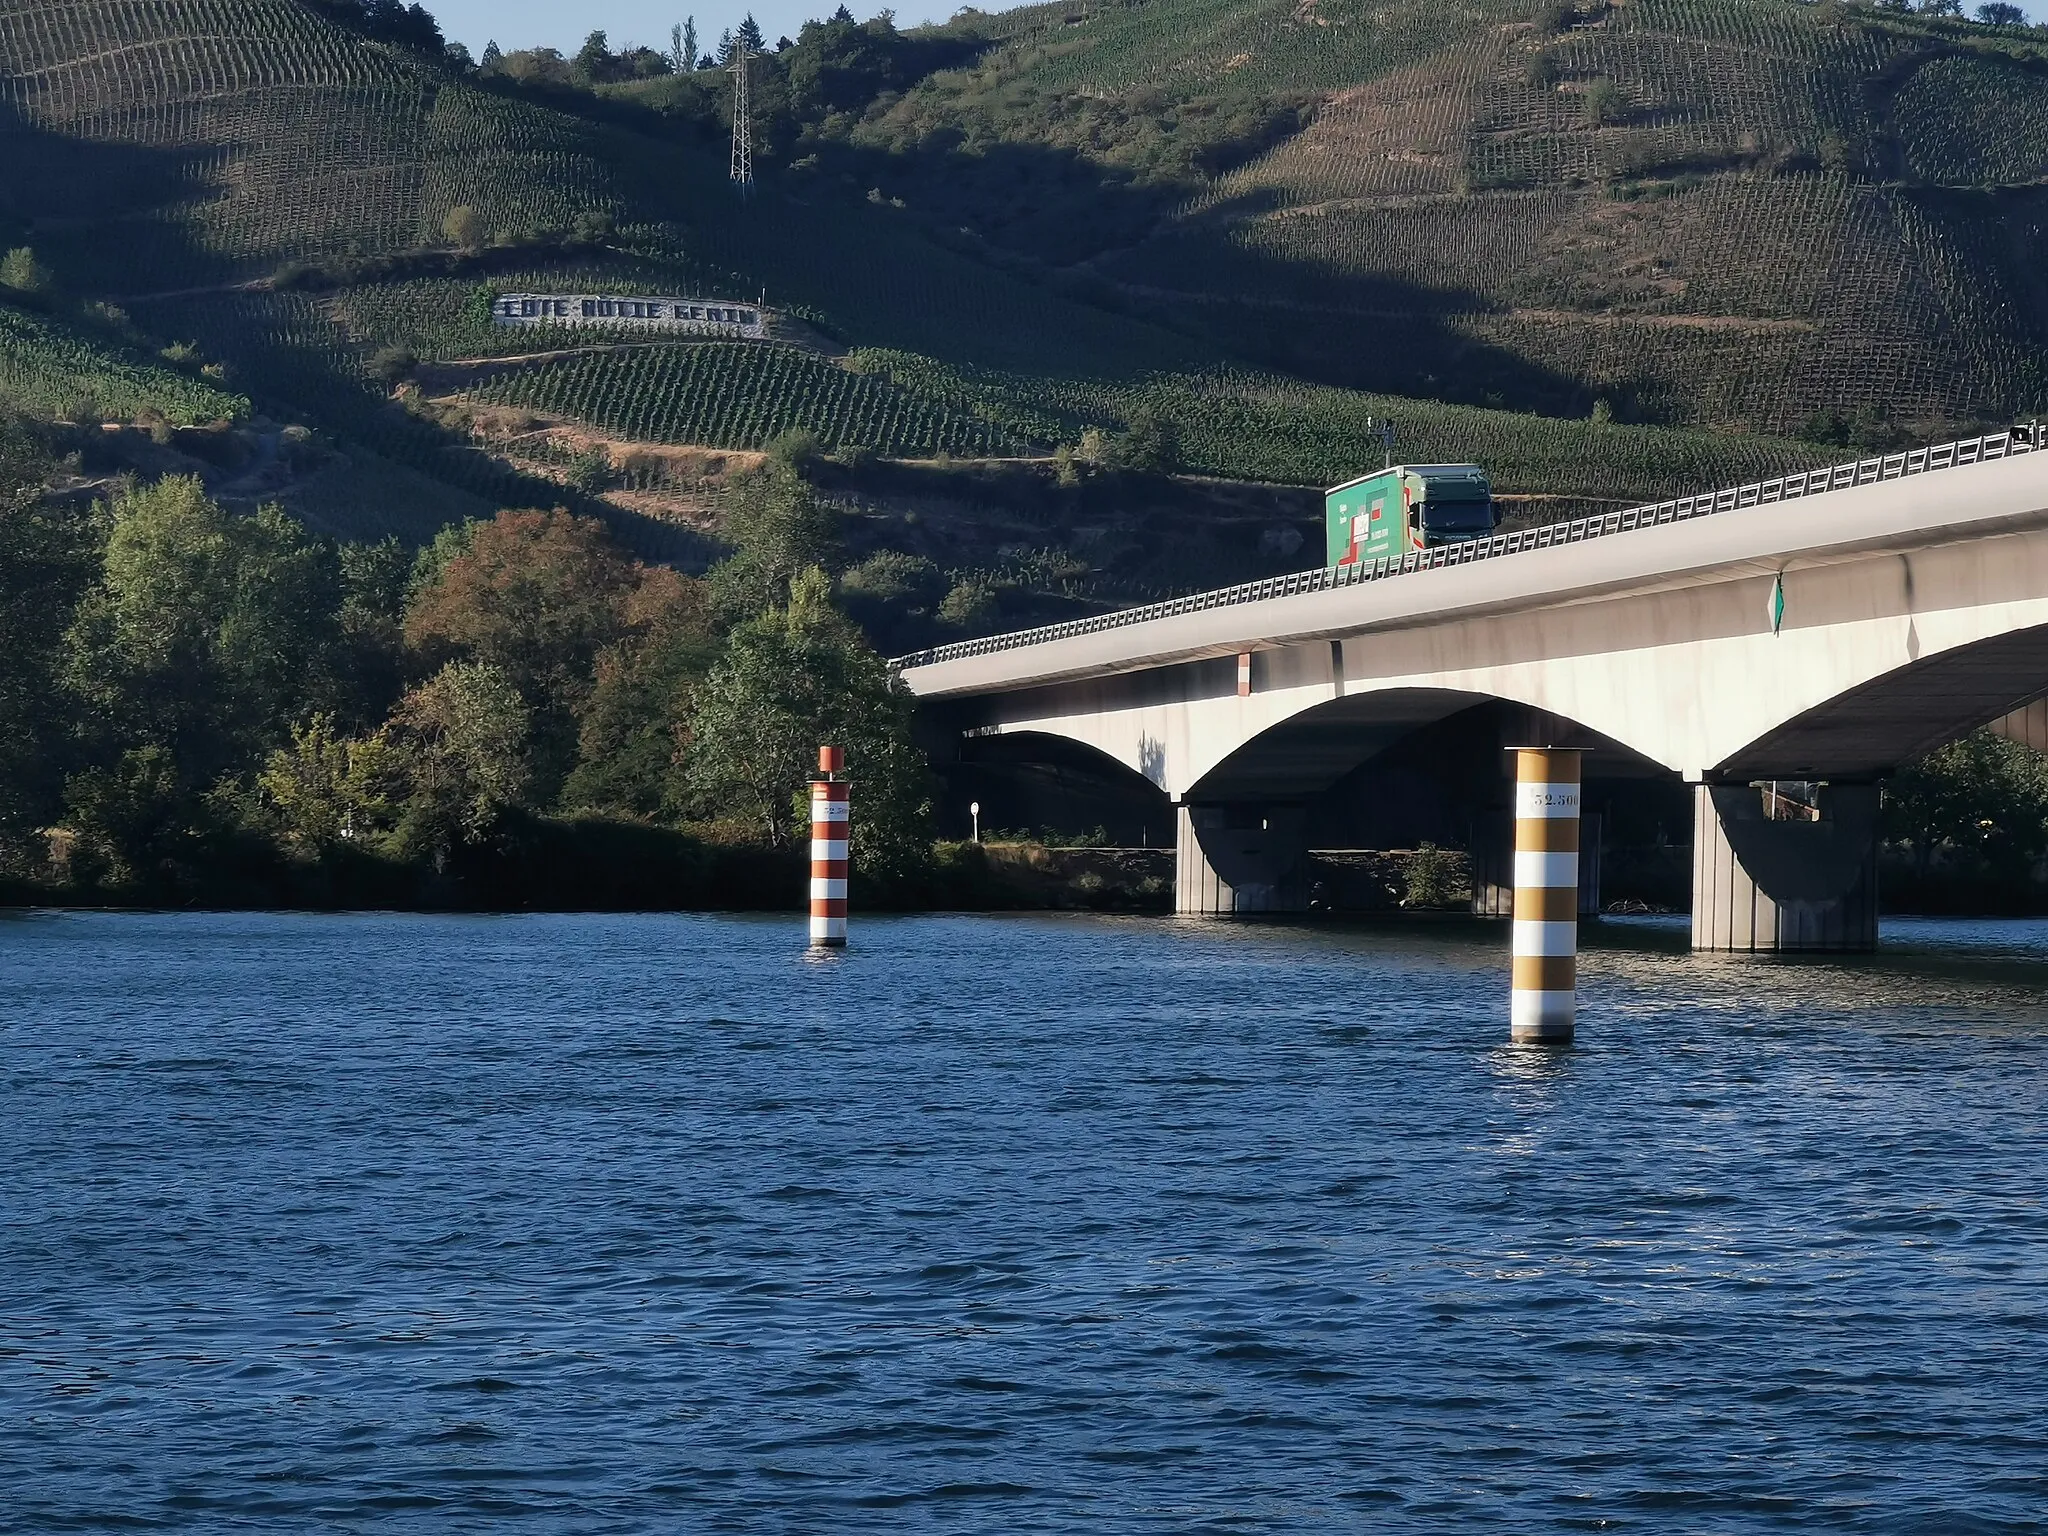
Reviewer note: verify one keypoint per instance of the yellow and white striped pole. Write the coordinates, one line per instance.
(1546, 961)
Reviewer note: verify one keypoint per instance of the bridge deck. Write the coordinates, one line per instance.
(1465, 579)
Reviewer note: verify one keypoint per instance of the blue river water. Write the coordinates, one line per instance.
(656, 1223)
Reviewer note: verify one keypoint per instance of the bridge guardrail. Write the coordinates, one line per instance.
(2025, 438)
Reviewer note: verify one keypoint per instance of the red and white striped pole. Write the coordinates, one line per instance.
(829, 807)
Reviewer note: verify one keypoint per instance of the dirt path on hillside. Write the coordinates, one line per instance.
(253, 285)
(1740, 324)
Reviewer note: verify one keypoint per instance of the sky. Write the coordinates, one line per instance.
(556, 24)
(553, 24)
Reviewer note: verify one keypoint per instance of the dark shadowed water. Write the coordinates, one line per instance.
(602, 1224)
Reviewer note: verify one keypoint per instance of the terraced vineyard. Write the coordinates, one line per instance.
(1257, 426)
(51, 369)
(740, 395)
(1755, 215)
(242, 133)
(1712, 211)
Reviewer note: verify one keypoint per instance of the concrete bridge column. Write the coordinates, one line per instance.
(1785, 867)
(1240, 859)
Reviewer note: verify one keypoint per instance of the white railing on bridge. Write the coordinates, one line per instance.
(2025, 438)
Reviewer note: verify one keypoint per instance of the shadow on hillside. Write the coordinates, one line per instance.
(108, 219)
(1057, 219)
(97, 213)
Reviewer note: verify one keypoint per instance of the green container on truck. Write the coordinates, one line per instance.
(1407, 506)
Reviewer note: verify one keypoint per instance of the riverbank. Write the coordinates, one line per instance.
(547, 865)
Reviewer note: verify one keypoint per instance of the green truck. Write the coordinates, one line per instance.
(1407, 506)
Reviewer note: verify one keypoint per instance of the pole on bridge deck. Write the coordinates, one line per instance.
(830, 792)
(1544, 1002)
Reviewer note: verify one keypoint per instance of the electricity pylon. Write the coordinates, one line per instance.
(742, 129)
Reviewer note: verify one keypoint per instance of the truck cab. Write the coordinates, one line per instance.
(1406, 507)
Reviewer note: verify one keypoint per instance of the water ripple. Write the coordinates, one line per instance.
(623, 1224)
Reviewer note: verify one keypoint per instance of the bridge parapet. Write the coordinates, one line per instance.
(2023, 438)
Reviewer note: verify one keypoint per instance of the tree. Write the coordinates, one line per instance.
(326, 789)
(1982, 798)
(1603, 102)
(750, 34)
(792, 680)
(641, 696)
(537, 595)
(128, 818)
(46, 559)
(971, 604)
(1148, 443)
(725, 46)
(593, 60)
(777, 528)
(372, 622)
(464, 228)
(492, 58)
(206, 634)
(684, 45)
(393, 363)
(2000, 14)
(461, 750)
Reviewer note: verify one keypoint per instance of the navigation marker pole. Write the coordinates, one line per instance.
(829, 812)
(1544, 1003)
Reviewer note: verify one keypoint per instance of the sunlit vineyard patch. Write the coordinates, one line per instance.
(52, 369)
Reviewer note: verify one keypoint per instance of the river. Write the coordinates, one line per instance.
(1019, 1224)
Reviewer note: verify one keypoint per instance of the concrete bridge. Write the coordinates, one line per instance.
(1778, 647)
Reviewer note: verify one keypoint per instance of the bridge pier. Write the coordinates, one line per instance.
(1785, 867)
(1235, 859)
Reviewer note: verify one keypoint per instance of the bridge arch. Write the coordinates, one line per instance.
(1049, 781)
(1901, 714)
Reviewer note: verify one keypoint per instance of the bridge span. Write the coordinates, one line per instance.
(1780, 647)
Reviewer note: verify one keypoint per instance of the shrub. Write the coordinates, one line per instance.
(970, 604)
(1435, 878)
(1603, 102)
(20, 271)
(393, 363)
(464, 228)
(591, 472)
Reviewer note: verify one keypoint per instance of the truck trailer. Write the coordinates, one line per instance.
(1407, 506)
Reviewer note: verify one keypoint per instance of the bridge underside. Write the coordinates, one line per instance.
(1867, 732)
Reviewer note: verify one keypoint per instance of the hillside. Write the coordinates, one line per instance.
(1749, 212)
(1558, 240)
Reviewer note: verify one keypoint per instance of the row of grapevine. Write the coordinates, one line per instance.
(738, 395)
(243, 133)
(49, 368)
(1974, 121)
(1760, 300)
(1259, 426)
(1266, 428)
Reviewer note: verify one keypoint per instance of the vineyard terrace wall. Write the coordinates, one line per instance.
(655, 312)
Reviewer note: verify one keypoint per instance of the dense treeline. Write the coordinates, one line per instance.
(196, 705)
(1966, 829)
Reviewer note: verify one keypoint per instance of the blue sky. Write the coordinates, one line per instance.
(525, 23)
